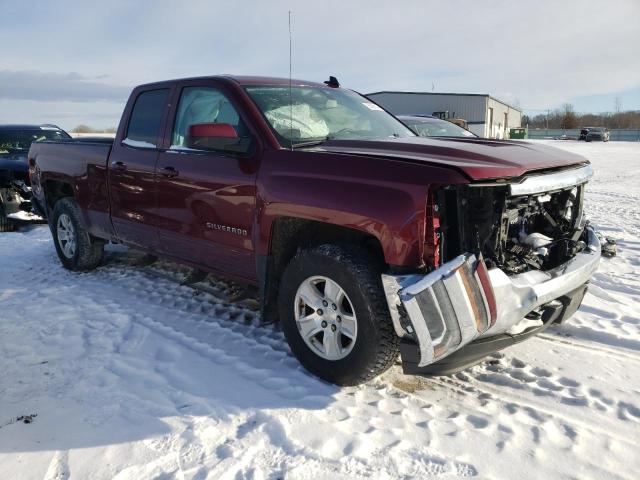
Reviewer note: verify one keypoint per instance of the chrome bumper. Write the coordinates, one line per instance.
(461, 301)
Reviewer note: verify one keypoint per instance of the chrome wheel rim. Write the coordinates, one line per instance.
(325, 318)
(66, 235)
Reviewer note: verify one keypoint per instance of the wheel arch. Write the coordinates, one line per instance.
(54, 190)
(288, 235)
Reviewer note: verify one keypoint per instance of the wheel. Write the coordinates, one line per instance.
(6, 225)
(335, 316)
(76, 249)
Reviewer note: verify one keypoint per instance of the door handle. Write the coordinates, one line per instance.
(169, 172)
(119, 165)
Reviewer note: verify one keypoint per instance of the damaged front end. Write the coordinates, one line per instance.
(516, 257)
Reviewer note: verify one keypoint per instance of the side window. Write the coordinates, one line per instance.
(204, 105)
(146, 116)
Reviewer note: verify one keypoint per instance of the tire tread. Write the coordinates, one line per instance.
(89, 250)
(364, 267)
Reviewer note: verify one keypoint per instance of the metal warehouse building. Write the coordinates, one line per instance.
(486, 116)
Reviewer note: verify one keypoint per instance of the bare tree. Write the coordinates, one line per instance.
(554, 119)
(87, 129)
(618, 109)
(82, 129)
(569, 119)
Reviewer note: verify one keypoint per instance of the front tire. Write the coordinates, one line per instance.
(76, 249)
(335, 316)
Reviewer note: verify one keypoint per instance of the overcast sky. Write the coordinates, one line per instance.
(72, 62)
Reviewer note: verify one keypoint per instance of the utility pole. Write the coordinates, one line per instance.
(547, 118)
(618, 104)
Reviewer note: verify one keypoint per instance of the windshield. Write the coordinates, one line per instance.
(316, 114)
(21, 139)
(437, 128)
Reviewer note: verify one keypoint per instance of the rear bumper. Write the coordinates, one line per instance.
(461, 302)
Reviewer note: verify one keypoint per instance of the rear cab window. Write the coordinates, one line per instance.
(146, 117)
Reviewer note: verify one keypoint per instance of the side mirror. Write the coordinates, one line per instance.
(218, 137)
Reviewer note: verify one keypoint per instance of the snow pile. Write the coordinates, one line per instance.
(123, 373)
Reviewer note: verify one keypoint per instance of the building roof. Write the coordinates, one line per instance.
(447, 93)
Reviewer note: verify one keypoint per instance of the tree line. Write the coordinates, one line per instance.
(88, 129)
(567, 118)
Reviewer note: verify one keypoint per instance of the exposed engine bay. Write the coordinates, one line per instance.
(516, 233)
(512, 257)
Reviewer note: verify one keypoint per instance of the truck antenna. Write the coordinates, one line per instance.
(290, 95)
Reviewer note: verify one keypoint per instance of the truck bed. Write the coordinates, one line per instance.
(82, 163)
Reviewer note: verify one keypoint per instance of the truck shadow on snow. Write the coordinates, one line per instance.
(135, 352)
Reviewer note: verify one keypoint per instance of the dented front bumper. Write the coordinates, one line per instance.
(463, 301)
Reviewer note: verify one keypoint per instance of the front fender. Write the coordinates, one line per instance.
(382, 198)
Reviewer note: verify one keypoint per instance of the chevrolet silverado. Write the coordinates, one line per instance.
(365, 241)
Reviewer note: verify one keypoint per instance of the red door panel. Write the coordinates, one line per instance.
(205, 209)
(133, 189)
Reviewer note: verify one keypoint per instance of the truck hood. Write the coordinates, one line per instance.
(478, 159)
(15, 162)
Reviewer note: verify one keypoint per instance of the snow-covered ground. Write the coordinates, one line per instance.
(126, 374)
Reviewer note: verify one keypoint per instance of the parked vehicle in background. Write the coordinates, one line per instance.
(15, 191)
(365, 240)
(590, 134)
(444, 115)
(428, 126)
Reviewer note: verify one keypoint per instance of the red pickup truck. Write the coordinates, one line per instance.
(365, 240)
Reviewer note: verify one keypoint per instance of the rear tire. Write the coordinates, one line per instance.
(367, 342)
(6, 224)
(77, 250)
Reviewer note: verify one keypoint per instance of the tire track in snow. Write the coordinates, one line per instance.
(589, 347)
(143, 279)
(223, 332)
(182, 326)
(183, 313)
(518, 399)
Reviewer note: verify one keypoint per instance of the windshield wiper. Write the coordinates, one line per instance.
(309, 143)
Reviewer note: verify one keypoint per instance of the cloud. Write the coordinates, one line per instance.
(50, 87)
(541, 53)
(64, 114)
